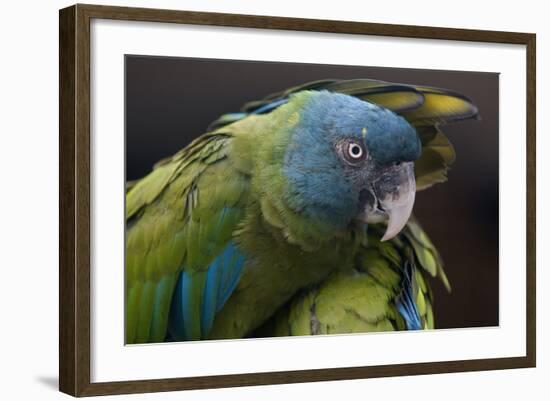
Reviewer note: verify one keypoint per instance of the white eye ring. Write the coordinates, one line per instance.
(355, 151)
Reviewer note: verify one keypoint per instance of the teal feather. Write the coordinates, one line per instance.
(218, 283)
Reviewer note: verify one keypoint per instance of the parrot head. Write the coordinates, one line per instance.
(348, 160)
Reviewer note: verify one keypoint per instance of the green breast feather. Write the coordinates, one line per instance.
(365, 297)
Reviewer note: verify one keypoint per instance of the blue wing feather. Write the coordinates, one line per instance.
(179, 327)
(270, 106)
(230, 118)
(221, 279)
(406, 305)
(214, 280)
(233, 266)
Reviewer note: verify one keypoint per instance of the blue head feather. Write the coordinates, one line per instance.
(320, 184)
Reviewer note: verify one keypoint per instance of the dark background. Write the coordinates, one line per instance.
(170, 101)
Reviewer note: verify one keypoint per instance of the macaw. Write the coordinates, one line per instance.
(302, 201)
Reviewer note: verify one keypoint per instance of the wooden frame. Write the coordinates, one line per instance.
(74, 176)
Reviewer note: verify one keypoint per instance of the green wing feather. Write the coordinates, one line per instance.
(441, 106)
(174, 222)
(437, 156)
(425, 251)
(421, 105)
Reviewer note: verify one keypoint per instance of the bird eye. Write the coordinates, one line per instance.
(353, 152)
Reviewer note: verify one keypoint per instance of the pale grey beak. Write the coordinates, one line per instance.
(399, 209)
(394, 195)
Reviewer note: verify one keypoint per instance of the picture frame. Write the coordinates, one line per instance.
(76, 201)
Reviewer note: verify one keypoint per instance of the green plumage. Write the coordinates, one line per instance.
(169, 228)
(300, 277)
(363, 298)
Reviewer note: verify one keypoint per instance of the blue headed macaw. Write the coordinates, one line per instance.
(292, 217)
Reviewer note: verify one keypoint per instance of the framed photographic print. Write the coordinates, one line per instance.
(251, 200)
